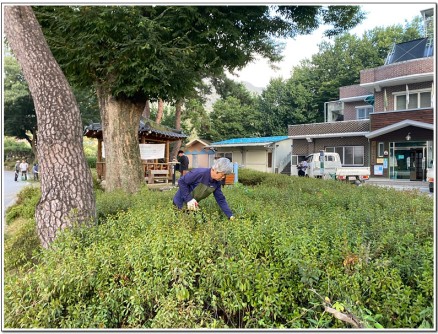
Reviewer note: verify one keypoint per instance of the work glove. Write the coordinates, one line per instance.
(232, 218)
(192, 205)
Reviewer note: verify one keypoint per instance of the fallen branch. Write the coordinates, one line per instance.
(344, 317)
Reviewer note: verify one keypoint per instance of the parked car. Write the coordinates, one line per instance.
(430, 176)
(332, 168)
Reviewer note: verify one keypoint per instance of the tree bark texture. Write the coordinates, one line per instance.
(147, 109)
(160, 111)
(120, 124)
(34, 144)
(67, 196)
(178, 111)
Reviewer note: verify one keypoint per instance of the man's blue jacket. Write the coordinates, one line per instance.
(198, 184)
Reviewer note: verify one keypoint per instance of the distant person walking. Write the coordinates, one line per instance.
(35, 172)
(24, 166)
(302, 168)
(183, 162)
(17, 170)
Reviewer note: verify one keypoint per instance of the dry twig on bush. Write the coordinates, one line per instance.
(350, 318)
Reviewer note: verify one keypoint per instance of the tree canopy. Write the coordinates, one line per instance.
(135, 53)
(338, 63)
(19, 110)
(164, 51)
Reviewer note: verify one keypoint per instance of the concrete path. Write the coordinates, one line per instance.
(10, 188)
(422, 186)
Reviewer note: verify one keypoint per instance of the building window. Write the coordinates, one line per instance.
(417, 99)
(380, 149)
(228, 155)
(350, 155)
(269, 159)
(363, 112)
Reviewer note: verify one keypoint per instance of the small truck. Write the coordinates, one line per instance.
(328, 165)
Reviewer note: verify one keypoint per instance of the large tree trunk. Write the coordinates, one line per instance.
(177, 146)
(67, 195)
(147, 109)
(120, 123)
(160, 111)
(34, 144)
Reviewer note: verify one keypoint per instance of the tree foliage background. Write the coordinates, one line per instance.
(294, 100)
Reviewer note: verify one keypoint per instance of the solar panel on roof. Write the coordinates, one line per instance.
(418, 48)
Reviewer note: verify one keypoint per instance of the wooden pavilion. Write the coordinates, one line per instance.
(149, 132)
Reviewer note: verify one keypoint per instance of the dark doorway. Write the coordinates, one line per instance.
(416, 165)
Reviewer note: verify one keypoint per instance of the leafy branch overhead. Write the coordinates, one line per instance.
(164, 51)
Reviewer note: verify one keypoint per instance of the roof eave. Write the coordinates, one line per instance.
(355, 98)
(378, 85)
(397, 126)
(331, 135)
(241, 144)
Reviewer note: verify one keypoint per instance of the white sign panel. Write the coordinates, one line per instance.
(152, 151)
(378, 169)
(147, 151)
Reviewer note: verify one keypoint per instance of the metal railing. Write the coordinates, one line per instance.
(284, 162)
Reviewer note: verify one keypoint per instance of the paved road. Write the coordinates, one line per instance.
(11, 188)
(421, 186)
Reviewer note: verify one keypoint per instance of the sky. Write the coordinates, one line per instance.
(259, 73)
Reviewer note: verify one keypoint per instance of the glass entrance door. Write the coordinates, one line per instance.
(407, 161)
(416, 164)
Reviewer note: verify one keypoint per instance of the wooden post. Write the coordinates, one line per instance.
(99, 159)
(99, 150)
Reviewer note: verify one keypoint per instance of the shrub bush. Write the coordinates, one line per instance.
(13, 149)
(296, 246)
(91, 160)
(110, 203)
(24, 207)
(22, 245)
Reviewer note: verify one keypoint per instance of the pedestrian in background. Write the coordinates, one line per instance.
(24, 166)
(17, 170)
(183, 162)
(302, 167)
(35, 172)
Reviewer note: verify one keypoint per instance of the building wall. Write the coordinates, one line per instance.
(200, 157)
(256, 157)
(302, 147)
(237, 154)
(350, 109)
(418, 135)
(247, 157)
(383, 119)
(281, 156)
(352, 91)
(401, 69)
(379, 97)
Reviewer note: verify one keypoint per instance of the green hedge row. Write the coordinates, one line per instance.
(296, 246)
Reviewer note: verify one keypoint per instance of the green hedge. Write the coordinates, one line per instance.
(296, 245)
(91, 161)
(25, 204)
(16, 149)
